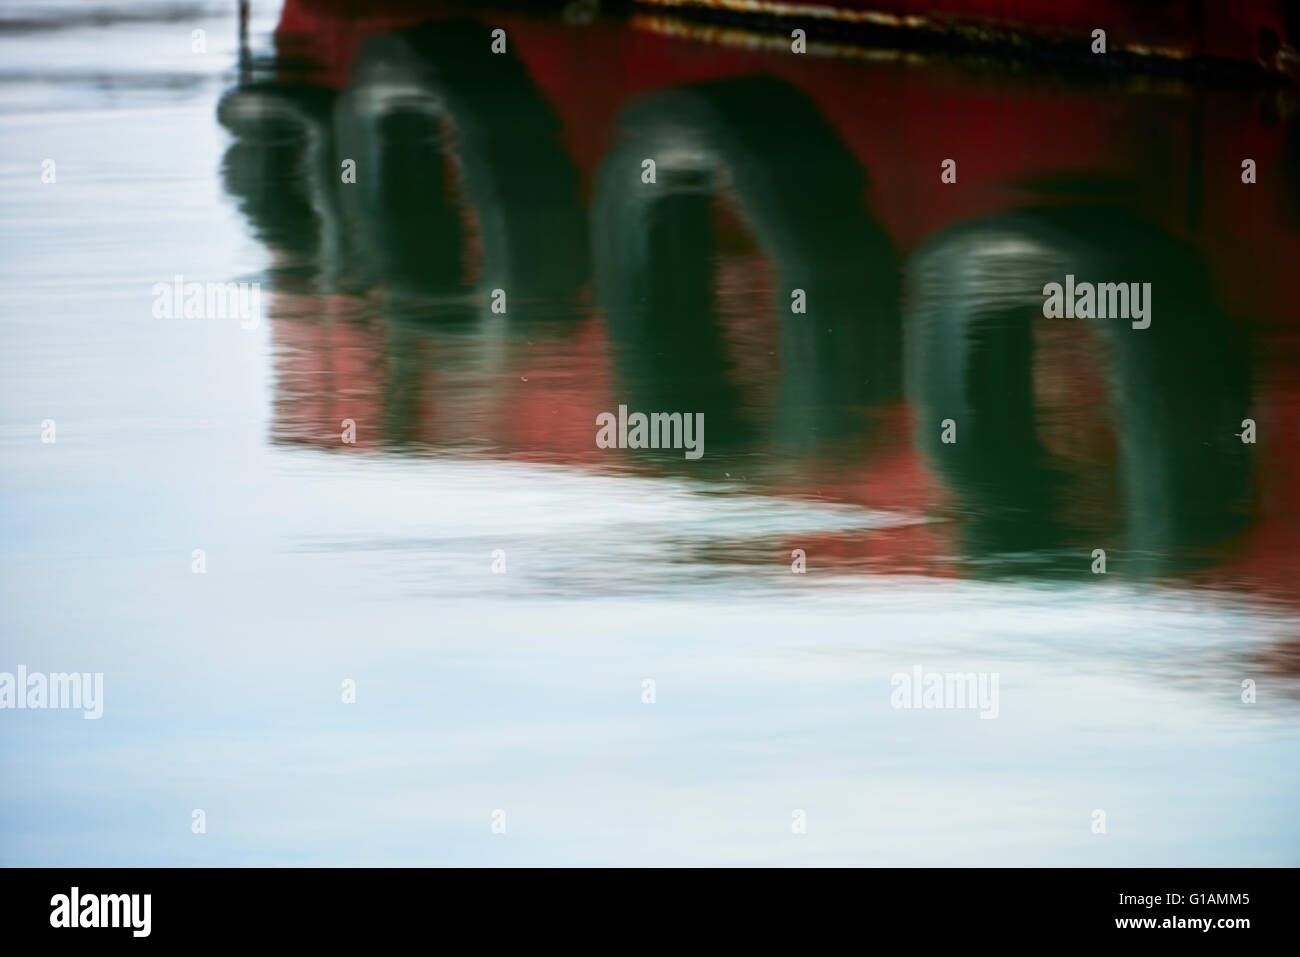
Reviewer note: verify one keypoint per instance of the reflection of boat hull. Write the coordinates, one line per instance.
(899, 122)
(1185, 150)
(1241, 31)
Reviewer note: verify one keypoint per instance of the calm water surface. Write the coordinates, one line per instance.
(475, 431)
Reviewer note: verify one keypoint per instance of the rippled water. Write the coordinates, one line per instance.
(523, 691)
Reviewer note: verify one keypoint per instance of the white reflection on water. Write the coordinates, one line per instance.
(520, 691)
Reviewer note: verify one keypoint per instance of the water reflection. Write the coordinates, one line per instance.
(463, 187)
(1072, 435)
(523, 691)
(657, 254)
(1090, 432)
(274, 168)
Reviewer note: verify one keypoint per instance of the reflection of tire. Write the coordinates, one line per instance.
(522, 185)
(800, 190)
(1179, 389)
(275, 165)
